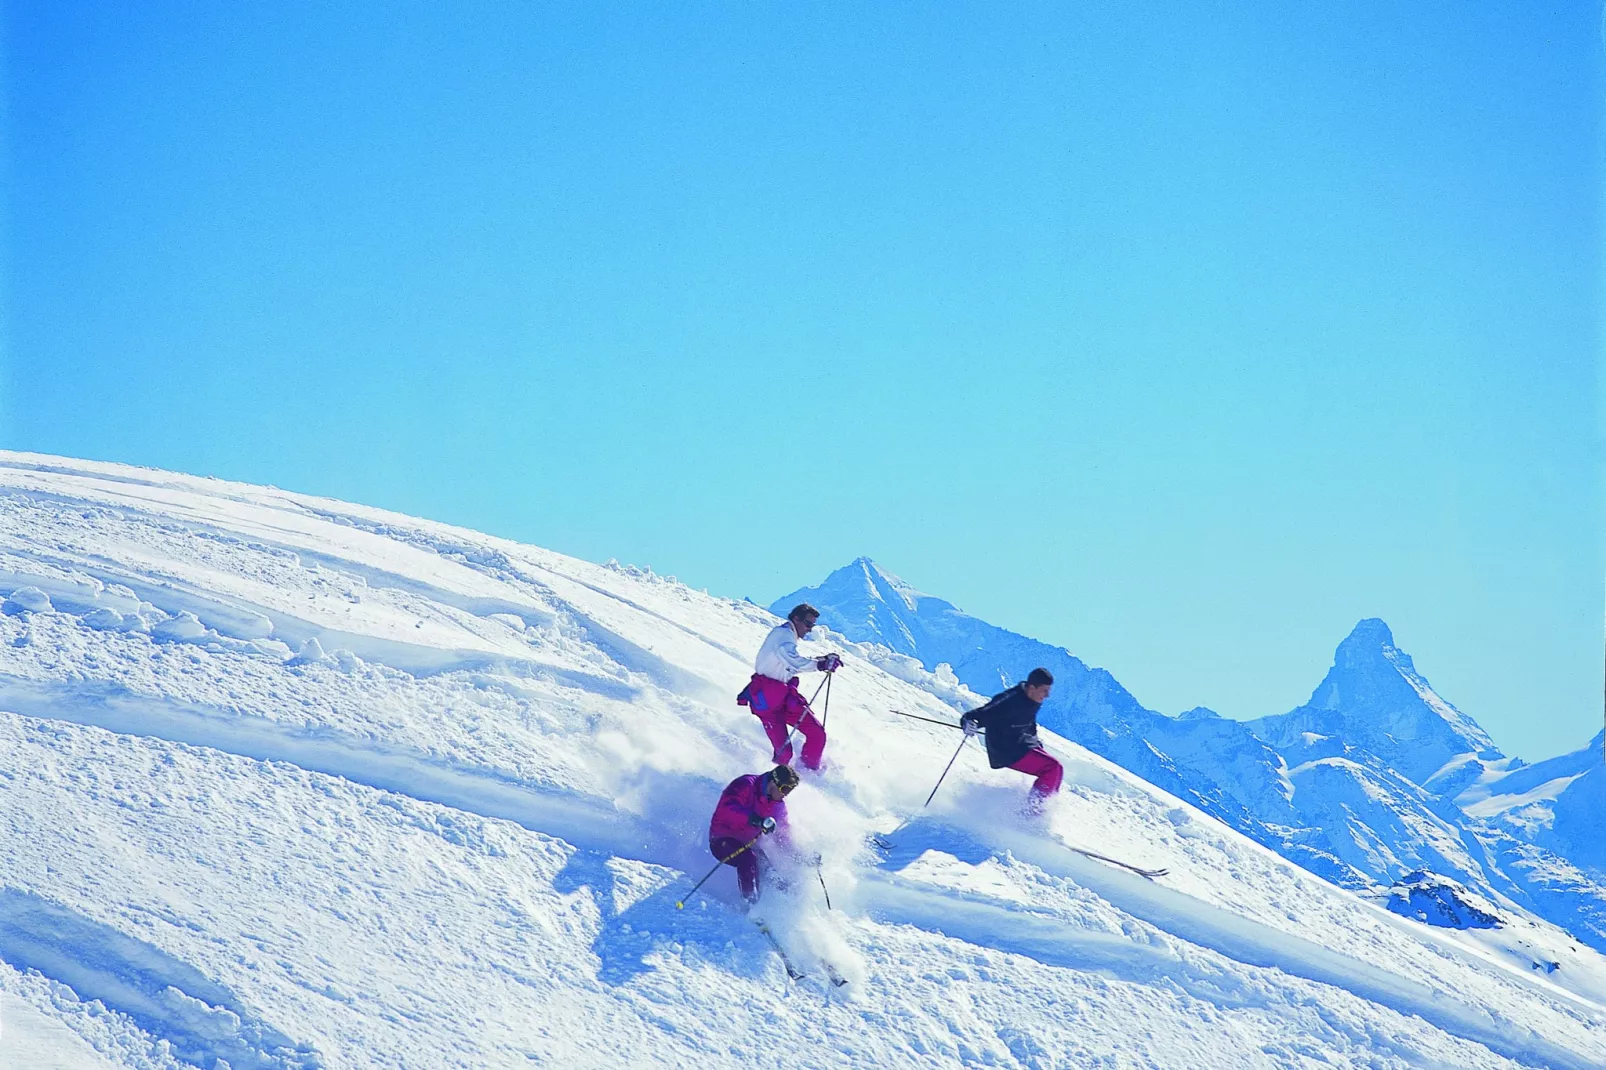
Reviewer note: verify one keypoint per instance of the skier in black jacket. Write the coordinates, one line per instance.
(1010, 721)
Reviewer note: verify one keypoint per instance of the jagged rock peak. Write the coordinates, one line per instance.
(1371, 643)
(1370, 634)
(1368, 667)
(1391, 709)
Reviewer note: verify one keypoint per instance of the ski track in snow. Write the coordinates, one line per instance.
(1201, 924)
(168, 998)
(589, 822)
(136, 978)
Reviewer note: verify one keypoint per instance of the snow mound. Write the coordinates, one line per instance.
(27, 600)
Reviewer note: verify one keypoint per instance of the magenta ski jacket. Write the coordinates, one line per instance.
(742, 807)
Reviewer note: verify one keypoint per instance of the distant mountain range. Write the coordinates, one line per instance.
(1374, 781)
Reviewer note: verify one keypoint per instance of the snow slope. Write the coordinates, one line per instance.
(294, 783)
(1375, 778)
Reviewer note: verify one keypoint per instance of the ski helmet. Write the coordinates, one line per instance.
(784, 777)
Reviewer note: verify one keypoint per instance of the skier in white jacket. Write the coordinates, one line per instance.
(772, 693)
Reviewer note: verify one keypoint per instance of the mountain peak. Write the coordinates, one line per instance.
(1369, 647)
(867, 603)
(1373, 697)
(862, 580)
(1371, 633)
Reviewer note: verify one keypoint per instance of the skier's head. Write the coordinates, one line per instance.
(1039, 682)
(803, 617)
(778, 782)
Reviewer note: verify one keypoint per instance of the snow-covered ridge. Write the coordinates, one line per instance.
(338, 787)
(1376, 777)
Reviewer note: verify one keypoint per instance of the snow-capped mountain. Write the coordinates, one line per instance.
(1363, 784)
(1374, 700)
(1557, 802)
(289, 782)
(870, 605)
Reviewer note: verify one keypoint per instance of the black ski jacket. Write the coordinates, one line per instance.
(1010, 721)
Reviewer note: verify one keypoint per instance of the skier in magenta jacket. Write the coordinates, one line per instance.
(772, 693)
(750, 807)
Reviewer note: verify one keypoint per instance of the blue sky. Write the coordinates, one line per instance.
(1185, 339)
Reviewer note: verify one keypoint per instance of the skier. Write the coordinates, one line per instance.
(1010, 721)
(750, 807)
(772, 693)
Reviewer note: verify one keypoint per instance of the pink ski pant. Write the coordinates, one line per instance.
(794, 712)
(746, 864)
(1048, 771)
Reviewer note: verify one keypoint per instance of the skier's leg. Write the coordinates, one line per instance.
(745, 864)
(775, 728)
(800, 716)
(813, 740)
(770, 701)
(1048, 771)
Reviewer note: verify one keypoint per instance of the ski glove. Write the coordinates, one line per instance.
(829, 663)
(768, 824)
(971, 728)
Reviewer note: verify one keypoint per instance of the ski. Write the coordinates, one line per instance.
(1139, 870)
(786, 960)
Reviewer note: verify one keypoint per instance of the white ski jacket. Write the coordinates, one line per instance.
(778, 658)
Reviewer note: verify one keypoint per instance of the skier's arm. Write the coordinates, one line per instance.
(982, 715)
(737, 807)
(782, 836)
(787, 651)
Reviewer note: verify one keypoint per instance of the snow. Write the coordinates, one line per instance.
(337, 787)
(30, 1038)
(27, 600)
(1497, 803)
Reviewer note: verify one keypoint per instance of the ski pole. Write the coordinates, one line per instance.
(917, 717)
(680, 904)
(823, 684)
(827, 711)
(944, 776)
(823, 888)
